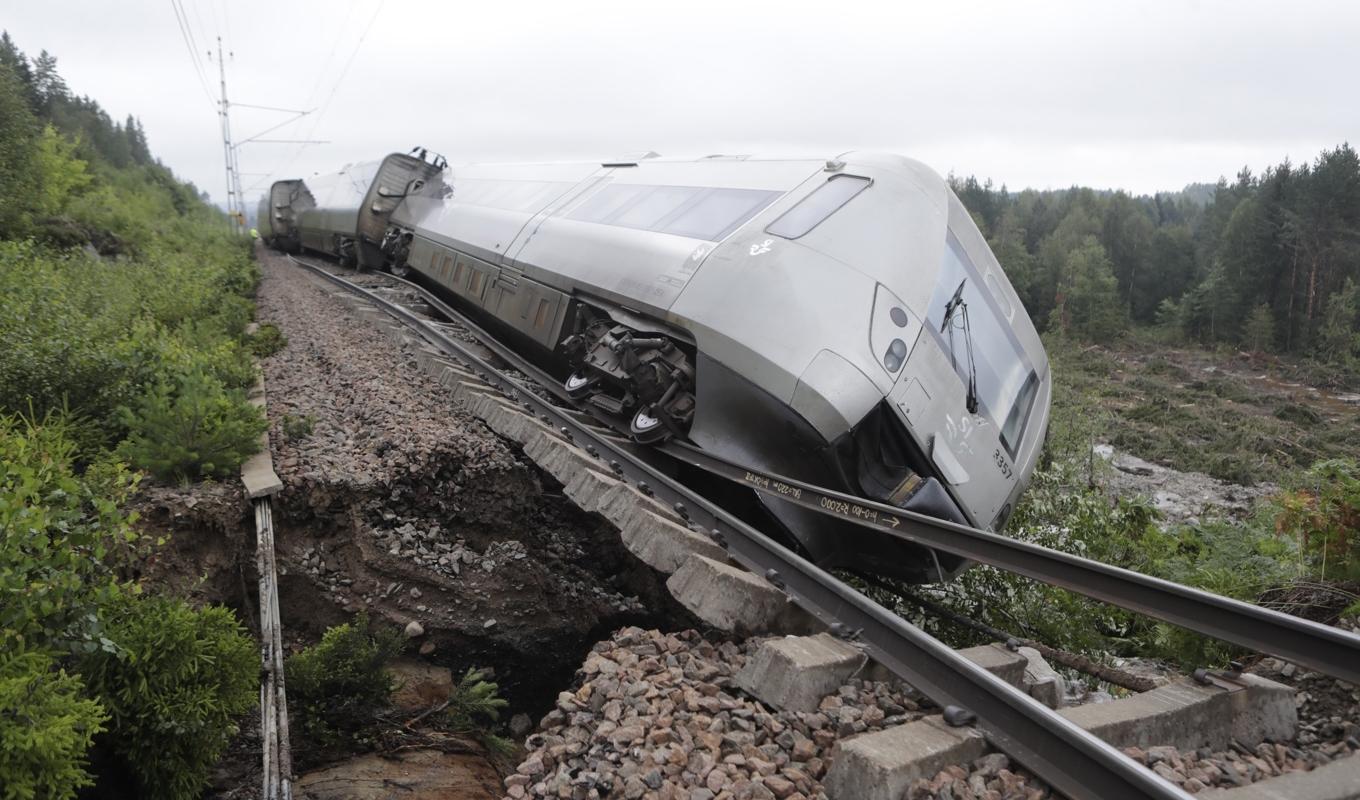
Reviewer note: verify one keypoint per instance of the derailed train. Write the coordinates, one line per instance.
(841, 322)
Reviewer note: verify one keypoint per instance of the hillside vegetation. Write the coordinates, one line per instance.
(123, 307)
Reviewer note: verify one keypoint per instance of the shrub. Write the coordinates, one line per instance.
(194, 428)
(295, 427)
(267, 340)
(1323, 515)
(475, 703)
(60, 536)
(173, 685)
(474, 706)
(86, 336)
(45, 729)
(336, 686)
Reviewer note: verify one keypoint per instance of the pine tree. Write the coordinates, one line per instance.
(1338, 339)
(1258, 331)
(11, 56)
(48, 83)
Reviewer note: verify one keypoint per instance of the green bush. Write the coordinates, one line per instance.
(173, 685)
(1323, 515)
(60, 537)
(267, 340)
(295, 427)
(46, 727)
(192, 429)
(474, 707)
(336, 686)
(88, 337)
(475, 703)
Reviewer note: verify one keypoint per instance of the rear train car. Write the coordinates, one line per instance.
(277, 217)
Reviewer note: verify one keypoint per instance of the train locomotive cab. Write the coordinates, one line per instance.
(891, 357)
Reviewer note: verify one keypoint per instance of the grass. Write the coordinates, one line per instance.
(1201, 411)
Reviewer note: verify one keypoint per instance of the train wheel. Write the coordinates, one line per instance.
(647, 429)
(580, 386)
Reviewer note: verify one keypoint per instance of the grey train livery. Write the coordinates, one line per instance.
(841, 322)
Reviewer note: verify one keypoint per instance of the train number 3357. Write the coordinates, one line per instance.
(1002, 464)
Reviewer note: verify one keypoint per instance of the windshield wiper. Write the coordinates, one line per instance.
(957, 305)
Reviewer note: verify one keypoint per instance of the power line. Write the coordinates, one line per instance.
(335, 86)
(198, 16)
(348, 63)
(194, 53)
(187, 36)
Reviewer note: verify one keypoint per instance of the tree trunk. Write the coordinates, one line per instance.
(1289, 319)
(1312, 288)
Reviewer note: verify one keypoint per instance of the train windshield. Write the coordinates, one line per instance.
(1006, 381)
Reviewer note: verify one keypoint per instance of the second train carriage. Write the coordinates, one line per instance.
(345, 214)
(276, 219)
(841, 322)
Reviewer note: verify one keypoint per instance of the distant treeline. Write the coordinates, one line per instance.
(67, 167)
(1269, 262)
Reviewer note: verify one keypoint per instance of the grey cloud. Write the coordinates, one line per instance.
(1142, 96)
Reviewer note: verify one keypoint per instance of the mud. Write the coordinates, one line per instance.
(1183, 498)
(399, 504)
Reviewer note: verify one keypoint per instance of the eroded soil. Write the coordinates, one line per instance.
(399, 504)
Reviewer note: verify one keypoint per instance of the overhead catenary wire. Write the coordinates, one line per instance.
(186, 33)
(310, 137)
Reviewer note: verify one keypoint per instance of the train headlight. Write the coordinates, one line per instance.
(892, 331)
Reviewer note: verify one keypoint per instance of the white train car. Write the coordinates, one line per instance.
(842, 322)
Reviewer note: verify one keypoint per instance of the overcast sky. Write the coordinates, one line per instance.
(1136, 95)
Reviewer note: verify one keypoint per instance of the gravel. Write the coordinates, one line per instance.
(399, 503)
(658, 714)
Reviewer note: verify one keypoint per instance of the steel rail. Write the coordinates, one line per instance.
(1320, 647)
(1070, 759)
(277, 761)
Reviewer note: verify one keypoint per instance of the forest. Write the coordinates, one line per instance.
(1265, 263)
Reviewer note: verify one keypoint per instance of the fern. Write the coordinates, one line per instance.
(474, 704)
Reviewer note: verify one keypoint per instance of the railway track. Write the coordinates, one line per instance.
(1069, 758)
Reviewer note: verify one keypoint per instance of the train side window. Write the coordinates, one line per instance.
(719, 213)
(826, 200)
(658, 204)
(607, 202)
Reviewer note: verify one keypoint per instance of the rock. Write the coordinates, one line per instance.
(520, 725)
(489, 624)
(991, 764)
(419, 685)
(780, 787)
(414, 629)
